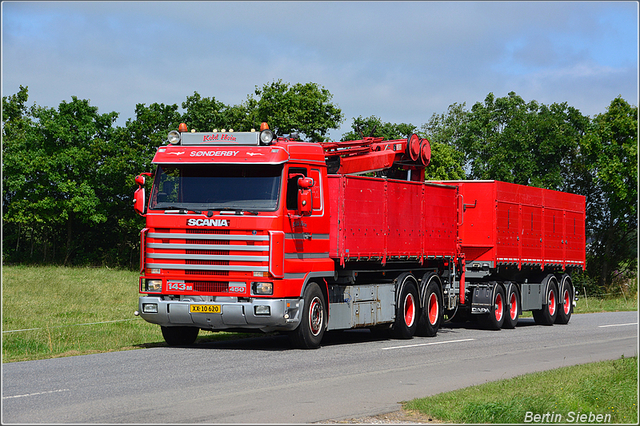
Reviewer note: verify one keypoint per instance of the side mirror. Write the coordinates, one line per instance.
(139, 197)
(304, 195)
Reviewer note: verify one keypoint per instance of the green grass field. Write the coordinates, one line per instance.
(53, 311)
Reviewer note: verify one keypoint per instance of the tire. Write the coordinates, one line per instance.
(313, 323)
(565, 300)
(495, 318)
(407, 308)
(547, 315)
(431, 313)
(512, 310)
(179, 336)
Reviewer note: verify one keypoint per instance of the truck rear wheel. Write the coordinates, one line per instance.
(179, 336)
(313, 323)
(547, 315)
(512, 310)
(495, 319)
(407, 310)
(565, 301)
(431, 313)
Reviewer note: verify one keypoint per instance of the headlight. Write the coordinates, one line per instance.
(264, 289)
(266, 137)
(174, 137)
(153, 286)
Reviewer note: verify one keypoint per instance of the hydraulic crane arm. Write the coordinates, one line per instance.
(373, 154)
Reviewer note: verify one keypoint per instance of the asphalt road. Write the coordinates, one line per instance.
(263, 380)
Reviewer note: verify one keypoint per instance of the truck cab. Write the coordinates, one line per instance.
(236, 226)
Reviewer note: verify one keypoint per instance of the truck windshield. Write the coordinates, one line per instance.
(226, 187)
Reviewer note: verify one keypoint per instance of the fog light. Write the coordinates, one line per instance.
(153, 286)
(265, 289)
(262, 310)
(150, 308)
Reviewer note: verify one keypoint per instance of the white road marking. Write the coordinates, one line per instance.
(427, 344)
(68, 325)
(617, 325)
(36, 393)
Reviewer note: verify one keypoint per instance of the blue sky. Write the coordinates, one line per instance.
(400, 61)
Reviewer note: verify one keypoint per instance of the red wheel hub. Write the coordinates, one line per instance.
(513, 310)
(409, 310)
(433, 309)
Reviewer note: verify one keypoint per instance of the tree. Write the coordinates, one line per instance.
(204, 114)
(374, 127)
(510, 140)
(443, 132)
(610, 154)
(49, 178)
(302, 108)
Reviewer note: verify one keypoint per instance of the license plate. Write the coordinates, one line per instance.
(207, 309)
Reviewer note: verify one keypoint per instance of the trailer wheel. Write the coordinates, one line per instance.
(547, 315)
(407, 310)
(565, 301)
(179, 336)
(431, 313)
(495, 319)
(310, 331)
(512, 310)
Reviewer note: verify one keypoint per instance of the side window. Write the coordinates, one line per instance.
(292, 186)
(317, 189)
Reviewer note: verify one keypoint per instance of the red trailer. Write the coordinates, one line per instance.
(249, 231)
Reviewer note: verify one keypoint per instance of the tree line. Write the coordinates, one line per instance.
(68, 172)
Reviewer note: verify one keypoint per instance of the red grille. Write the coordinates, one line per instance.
(209, 231)
(218, 273)
(211, 286)
(206, 262)
(209, 252)
(208, 242)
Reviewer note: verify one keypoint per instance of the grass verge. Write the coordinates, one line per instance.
(54, 311)
(601, 392)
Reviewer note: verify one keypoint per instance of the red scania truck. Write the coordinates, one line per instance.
(246, 230)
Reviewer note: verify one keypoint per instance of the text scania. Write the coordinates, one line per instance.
(214, 153)
(207, 222)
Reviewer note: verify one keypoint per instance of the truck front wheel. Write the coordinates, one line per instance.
(179, 336)
(309, 333)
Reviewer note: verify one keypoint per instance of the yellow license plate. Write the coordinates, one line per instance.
(207, 309)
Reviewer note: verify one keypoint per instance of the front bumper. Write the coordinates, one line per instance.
(284, 314)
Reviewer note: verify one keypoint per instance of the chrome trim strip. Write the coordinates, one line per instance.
(206, 247)
(306, 256)
(207, 257)
(209, 267)
(228, 237)
(294, 276)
